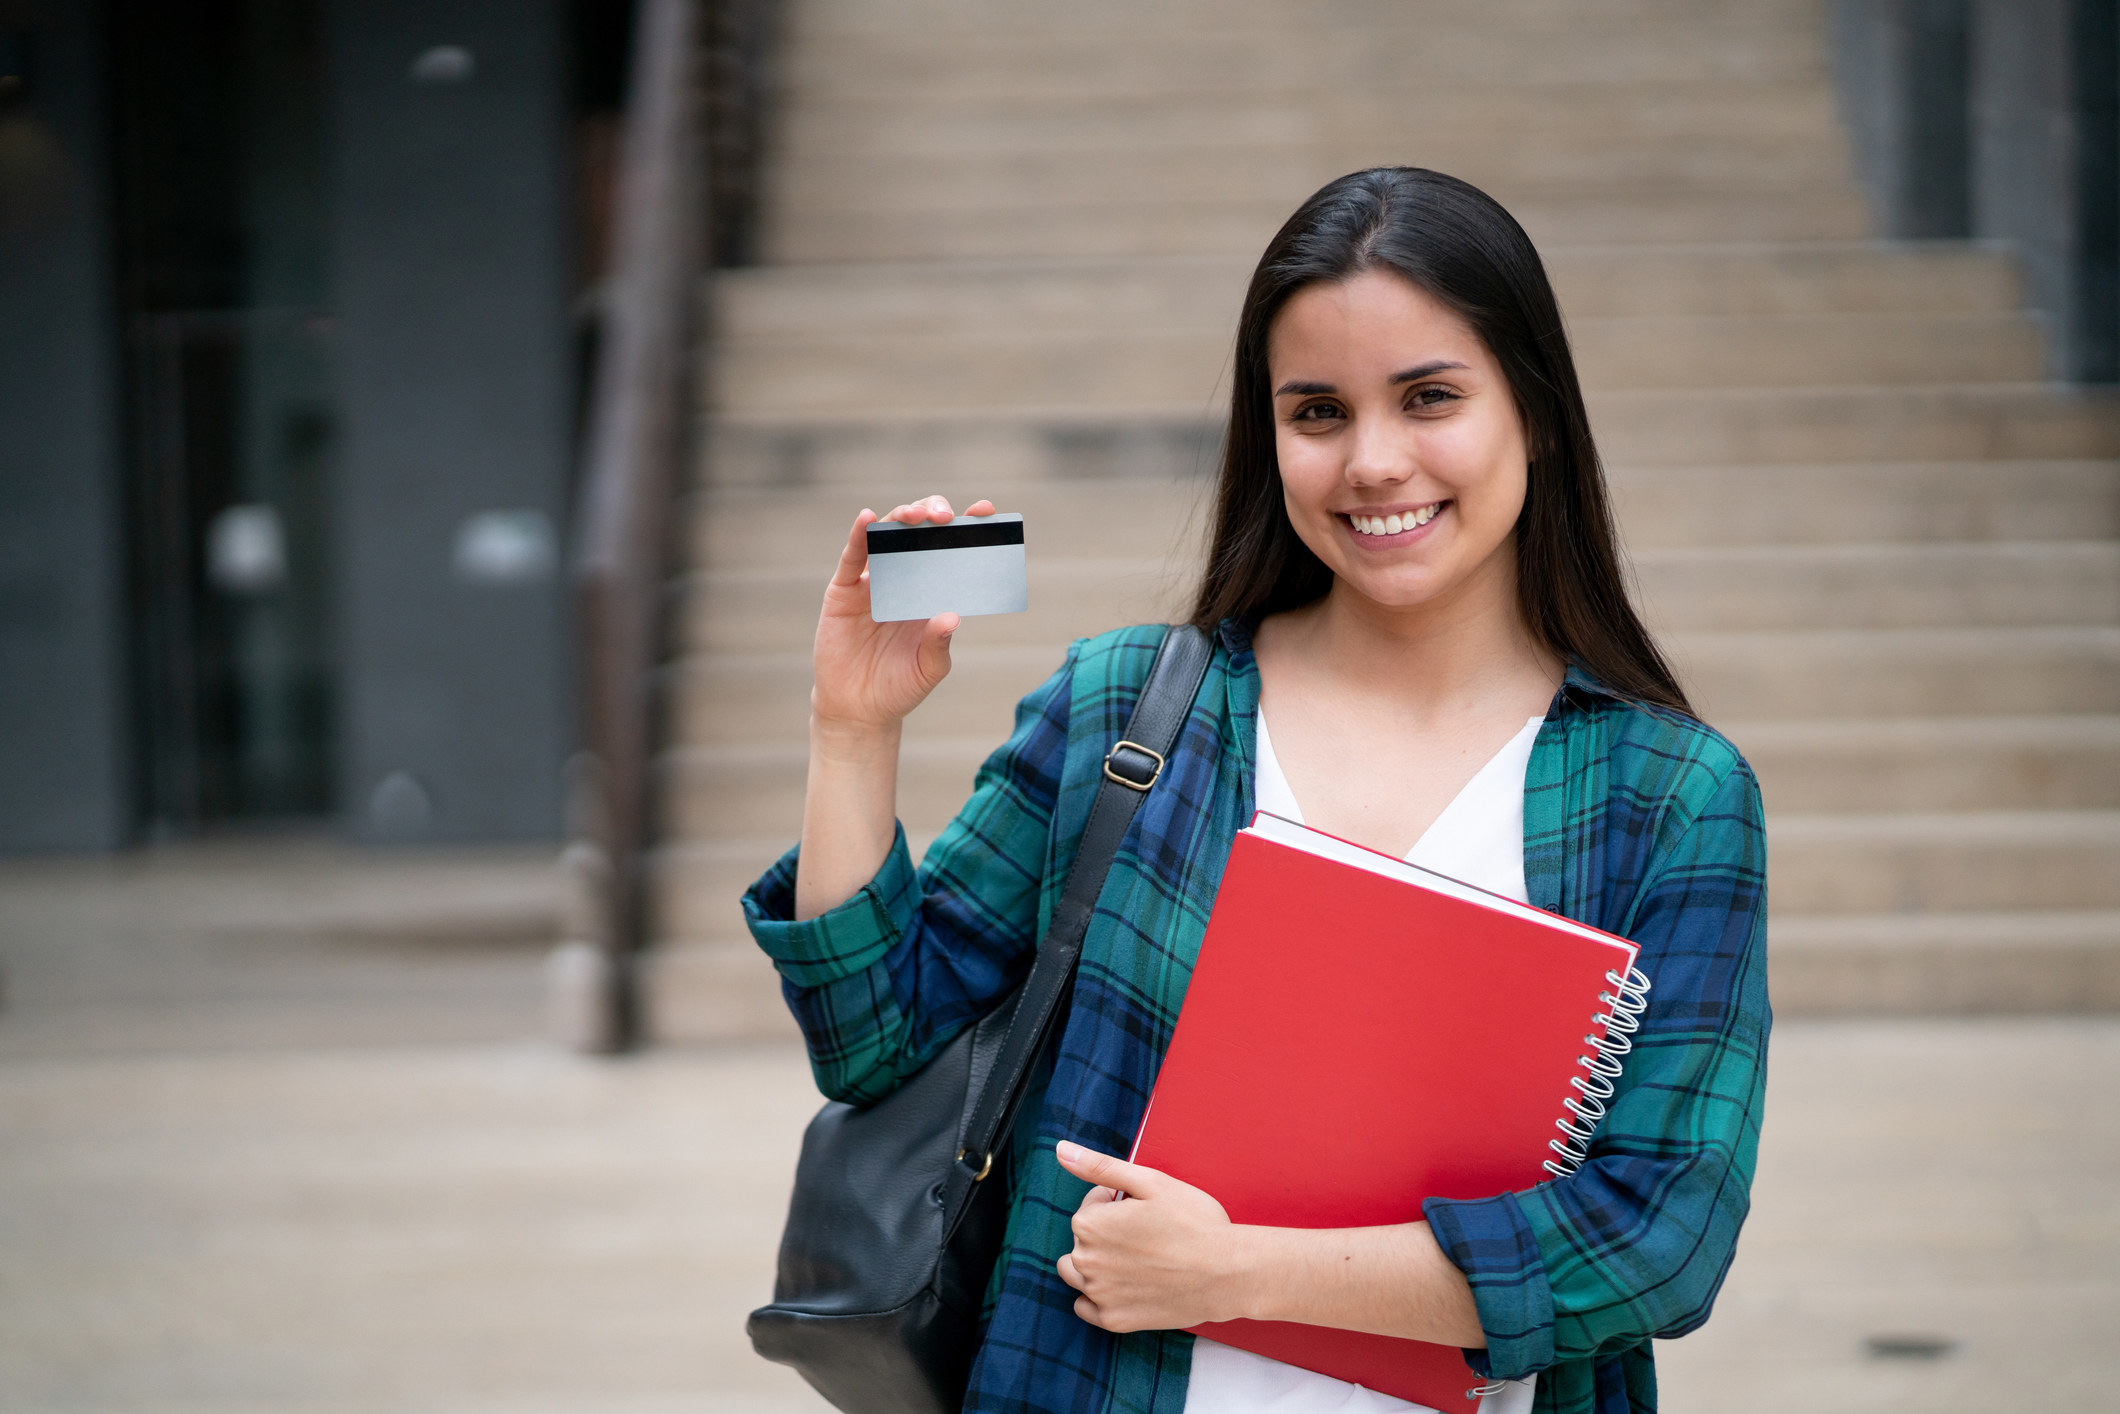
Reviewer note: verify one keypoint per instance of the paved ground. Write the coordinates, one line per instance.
(277, 1133)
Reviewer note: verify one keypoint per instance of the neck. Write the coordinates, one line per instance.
(1445, 655)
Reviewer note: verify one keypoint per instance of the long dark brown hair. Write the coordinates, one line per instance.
(1457, 243)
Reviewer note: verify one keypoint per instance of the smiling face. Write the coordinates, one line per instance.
(1403, 463)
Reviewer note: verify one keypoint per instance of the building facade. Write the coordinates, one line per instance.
(290, 347)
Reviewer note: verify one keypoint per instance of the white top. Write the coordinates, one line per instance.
(1479, 838)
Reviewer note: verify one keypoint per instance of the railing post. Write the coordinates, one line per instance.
(635, 443)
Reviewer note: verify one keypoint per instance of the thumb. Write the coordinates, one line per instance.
(1106, 1171)
(934, 652)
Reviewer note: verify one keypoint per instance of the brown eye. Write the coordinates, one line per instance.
(1317, 412)
(1431, 397)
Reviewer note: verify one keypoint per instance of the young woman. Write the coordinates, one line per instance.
(1424, 644)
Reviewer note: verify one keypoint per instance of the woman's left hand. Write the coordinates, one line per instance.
(1151, 1252)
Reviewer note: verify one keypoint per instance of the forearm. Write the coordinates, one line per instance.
(849, 812)
(1392, 1281)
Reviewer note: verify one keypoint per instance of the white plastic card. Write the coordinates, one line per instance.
(971, 565)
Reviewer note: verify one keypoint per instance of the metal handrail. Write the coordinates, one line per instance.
(636, 441)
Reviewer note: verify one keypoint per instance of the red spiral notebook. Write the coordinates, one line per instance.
(1359, 1035)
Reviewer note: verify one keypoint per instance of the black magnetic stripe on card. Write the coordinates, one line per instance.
(944, 537)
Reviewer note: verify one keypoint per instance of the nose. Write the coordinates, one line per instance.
(1382, 452)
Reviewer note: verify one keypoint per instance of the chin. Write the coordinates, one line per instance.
(1392, 591)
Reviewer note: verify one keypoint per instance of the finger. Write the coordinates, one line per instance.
(938, 509)
(1069, 1273)
(1087, 1310)
(1106, 1171)
(935, 647)
(1101, 1195)
(854, 558)
(980, 508)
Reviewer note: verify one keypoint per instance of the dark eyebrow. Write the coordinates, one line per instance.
(1293, 388)
(1425, 369)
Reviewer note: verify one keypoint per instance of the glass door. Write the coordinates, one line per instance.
(218, 140)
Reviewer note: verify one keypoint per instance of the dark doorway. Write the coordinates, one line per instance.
(218, 146)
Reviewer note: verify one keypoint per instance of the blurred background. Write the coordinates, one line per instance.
(424, 430)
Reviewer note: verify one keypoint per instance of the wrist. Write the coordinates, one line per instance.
(854, 740)
(1245, 1285)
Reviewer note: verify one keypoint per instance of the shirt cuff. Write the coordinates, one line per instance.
(1492, 1244)
(842, 941)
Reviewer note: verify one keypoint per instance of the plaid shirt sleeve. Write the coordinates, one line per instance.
(884, 981)
(1635, 1244)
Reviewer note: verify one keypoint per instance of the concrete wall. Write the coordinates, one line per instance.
(1904, 68)
(2000, 120)
(2045, 130)
(450, 284)
(62, 715)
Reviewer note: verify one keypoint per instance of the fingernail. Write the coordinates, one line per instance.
(1068, 1152)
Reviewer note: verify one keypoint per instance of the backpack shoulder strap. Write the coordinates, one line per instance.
(1131, 769)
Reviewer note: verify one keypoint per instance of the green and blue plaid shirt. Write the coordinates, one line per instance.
(1636, 820)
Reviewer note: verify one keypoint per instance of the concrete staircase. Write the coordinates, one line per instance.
(1005, 248)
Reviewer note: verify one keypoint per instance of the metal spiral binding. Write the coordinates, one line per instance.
(1625, 1003)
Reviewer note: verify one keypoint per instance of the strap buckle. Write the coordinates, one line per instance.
(1133, 772)
(984, 1169)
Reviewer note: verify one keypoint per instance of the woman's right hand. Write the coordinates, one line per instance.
(867, 676)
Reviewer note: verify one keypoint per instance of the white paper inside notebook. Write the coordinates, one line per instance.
(1295, 836)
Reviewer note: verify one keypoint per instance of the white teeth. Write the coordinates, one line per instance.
(1393, 524)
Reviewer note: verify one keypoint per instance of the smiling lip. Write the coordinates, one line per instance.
(1368, 528)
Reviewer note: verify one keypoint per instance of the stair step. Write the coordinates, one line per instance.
(914, 159)
(1009, 363)
(1999, 584)
(1201, 295)
(1899, 672)
(1913, 765)
(1862, 965)
(1678, 428)
(802, 530)
(733, 699)
(761, 610)
(1866, 502)
(1984, 861)
(1330, 50)
(738, 792)
(1240, 225)
(1934, 763)
(1769, 351)
(1867, 277)
(1658, 507)
(710, 982)
(707, 992)
(1826, 869)
(1748, 587)
(907, 456)
(696, 887)
(1945, 963)
(758, 699)
(1059, 104)
(900, 299)
(1975, 422)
